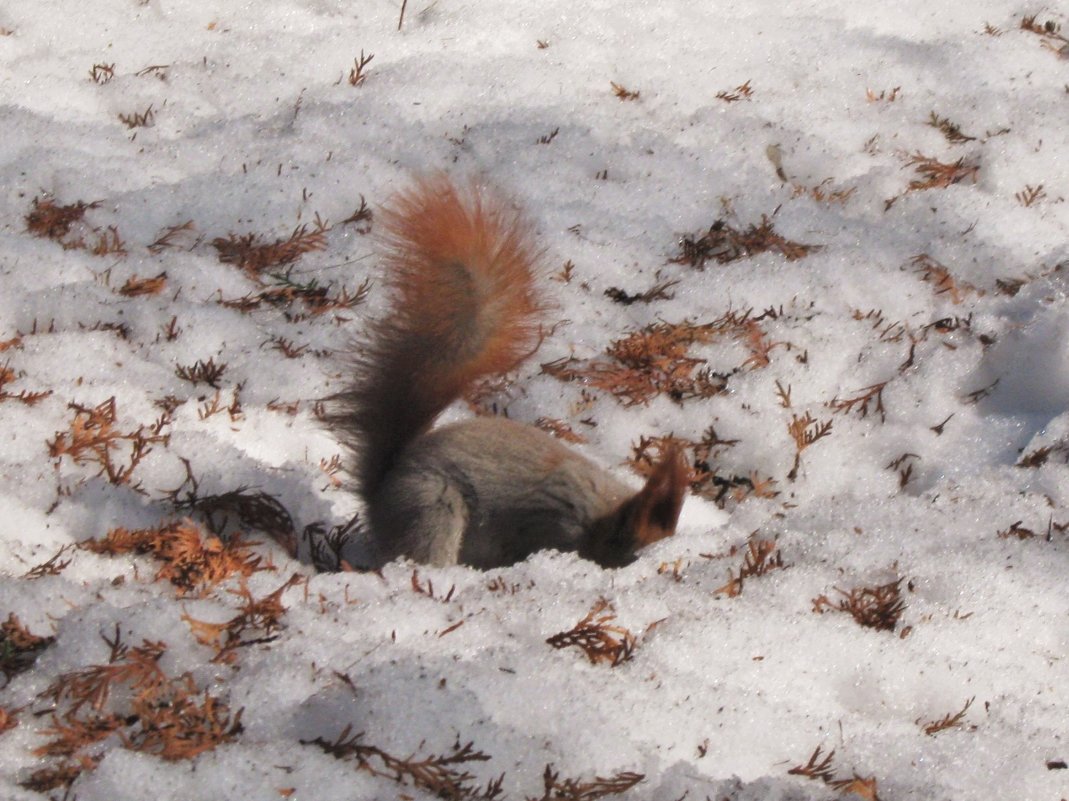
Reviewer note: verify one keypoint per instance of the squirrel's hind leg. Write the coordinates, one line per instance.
(422, 516)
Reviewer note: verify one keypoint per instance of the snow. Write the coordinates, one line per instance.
(256, 129)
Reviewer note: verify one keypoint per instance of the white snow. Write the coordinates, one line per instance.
(256, 129)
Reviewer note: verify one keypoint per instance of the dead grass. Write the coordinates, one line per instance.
(326, 545)
(247, 252)
(878, 607)
(942, 281)
(8, 719)
(656, 360)
(132, 697)
(805, 431)
(1049, 33)
(441, 776)
(358, 73)
(1043, 454)
(53, 566)
(559, 429)
(258, 622)
(19, 648)
(136, 286)
(576, 790)
(94, 438)
(824, 192)
(447, 776)
(216, 405)
(138, 119)
(169, 238)
(232, 513)
(741, 92)
(760, 557)
(361, 217)
(658, 291)
(1031, 195)
(54, 777)
(955, 720)
(599, 639)
(867, 399)
(705, 478)
(724, 244)
(1017, 530)
(952, 131)
(823, 770)
(188, 558)
(102, 73)
(935, 174)
(426, 588)
(66, 225)
(243, 509)
(884, 95)
(8, 376)
(202, 372)
(317, 299)
(51, 220)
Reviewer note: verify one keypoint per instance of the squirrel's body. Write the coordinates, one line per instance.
(530, 493)
(489, 491)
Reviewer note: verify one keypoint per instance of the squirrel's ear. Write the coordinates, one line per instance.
(655, 510)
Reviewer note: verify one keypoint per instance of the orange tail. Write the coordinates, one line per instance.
(460, 266)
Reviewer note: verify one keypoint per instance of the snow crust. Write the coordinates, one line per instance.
(256, 128)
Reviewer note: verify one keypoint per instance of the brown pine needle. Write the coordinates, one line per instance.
(597, 637)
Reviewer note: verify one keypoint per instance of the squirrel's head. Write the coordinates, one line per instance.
(646, 517)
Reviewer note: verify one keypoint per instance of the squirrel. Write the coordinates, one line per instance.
(460, 269)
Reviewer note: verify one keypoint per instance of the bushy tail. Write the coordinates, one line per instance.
(460, 267)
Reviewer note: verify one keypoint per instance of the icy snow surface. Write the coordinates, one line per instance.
(949, 288)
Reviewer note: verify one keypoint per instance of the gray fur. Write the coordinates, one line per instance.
(488, 492)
